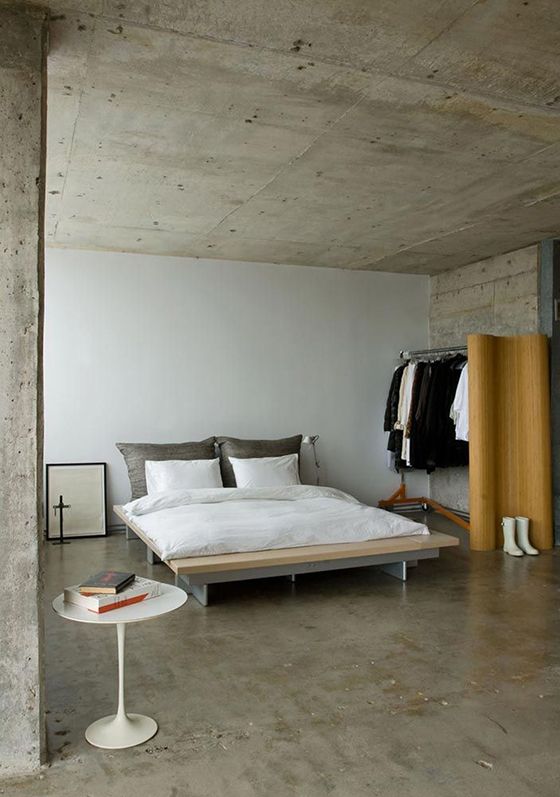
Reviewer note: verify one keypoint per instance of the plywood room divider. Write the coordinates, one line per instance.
(509, 437)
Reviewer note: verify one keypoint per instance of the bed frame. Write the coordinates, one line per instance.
(393, 555)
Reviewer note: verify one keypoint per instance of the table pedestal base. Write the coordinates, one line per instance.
(121, 729)
(115, 732)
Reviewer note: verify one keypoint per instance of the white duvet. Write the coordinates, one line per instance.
(229, 520)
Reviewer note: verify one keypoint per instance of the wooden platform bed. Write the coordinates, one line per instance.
(394, 556)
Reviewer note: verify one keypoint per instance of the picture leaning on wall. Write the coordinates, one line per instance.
(77, 492)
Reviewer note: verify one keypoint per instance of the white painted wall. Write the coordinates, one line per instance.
(146, 348)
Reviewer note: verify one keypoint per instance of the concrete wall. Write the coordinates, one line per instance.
(21, 247)
(498, 296)
(148, 348)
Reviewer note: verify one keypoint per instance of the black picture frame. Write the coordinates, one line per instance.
(52, 527)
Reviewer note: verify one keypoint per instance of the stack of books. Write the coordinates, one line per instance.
(111, 590)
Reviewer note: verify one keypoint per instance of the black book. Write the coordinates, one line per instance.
(108, 581)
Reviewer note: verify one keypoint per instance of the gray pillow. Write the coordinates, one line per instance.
(136, 454)
(245, 449)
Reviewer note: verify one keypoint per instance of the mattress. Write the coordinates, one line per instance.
(183, 523)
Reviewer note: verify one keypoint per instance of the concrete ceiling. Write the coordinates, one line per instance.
(395, 135)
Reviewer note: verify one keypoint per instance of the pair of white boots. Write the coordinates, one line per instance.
(511, 525)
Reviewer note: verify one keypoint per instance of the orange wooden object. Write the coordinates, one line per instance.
(399, 497)
(510, 470)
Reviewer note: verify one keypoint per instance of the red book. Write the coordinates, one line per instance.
(141, 589)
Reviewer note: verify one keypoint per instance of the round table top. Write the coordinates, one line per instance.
(170, 598)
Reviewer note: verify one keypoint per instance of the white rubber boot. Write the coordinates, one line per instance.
(508, 525)
(522, 529)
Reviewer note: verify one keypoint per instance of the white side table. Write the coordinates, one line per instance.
(122, 729)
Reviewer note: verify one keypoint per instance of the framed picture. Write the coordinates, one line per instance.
(83, 488)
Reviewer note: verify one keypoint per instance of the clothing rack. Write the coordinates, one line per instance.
(406, 355)
(399, 497)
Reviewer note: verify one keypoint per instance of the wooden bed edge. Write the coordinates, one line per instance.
(313, 553)
(300, 555)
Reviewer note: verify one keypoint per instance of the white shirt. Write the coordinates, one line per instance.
(460, 408)
(405, 399)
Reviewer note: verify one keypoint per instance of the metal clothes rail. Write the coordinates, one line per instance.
(406, 355)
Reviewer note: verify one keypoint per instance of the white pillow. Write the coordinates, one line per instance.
(182, 474)
(266, 471)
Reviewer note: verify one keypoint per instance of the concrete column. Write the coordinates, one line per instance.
(22, 169)
(549, 324)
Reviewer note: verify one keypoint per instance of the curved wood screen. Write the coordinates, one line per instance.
(509, 437)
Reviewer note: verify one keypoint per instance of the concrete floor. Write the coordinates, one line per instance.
(349, 684)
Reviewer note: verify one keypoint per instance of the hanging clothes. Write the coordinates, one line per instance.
(418, 441)
(408, 431)
(405, 401)
(458, 448)
(415, 398)
(460, 408)
(443, 450)
(421, 424)
(392, 406)
(394, 442)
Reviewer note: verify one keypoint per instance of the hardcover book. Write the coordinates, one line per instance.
(108, 581)
(140, 589)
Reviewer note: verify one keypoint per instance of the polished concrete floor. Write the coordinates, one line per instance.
(346, 684)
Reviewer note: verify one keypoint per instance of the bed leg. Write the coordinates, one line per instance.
(395, 569)
(151, 557)
(198, 591)
(130, 535)
(292, 577)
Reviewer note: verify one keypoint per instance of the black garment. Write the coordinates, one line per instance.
(394, 443)
(441, 447)
(433, 444)
(457, 450)
(418, 439)
(392, 406)
(415, 397)
(435, 421)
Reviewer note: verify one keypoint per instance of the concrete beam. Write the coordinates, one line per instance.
(315, 133)
(22, 178)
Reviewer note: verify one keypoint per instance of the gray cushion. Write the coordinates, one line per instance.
(245, 449)
(136, 454)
